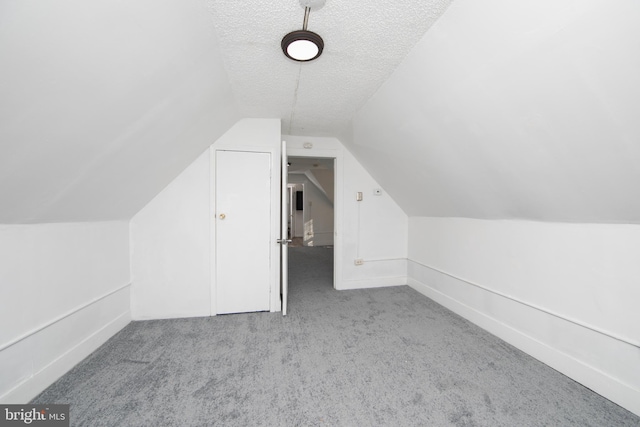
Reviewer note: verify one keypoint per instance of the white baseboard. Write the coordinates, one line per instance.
(598, 381)
(378, 282)
(38, 381)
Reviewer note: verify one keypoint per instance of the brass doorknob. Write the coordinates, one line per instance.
(222, 216)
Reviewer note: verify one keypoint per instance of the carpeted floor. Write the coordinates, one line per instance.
(378, 357)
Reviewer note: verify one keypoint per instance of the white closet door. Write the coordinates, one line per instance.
(243, 227)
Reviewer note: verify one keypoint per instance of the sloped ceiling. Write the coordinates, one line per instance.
(527, 110)
(102, 103)
(364, 42)
(503, 109)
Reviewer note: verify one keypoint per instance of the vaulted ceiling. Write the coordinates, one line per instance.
(483, 109)
(513, 110)
(364, 43)
(102, 103)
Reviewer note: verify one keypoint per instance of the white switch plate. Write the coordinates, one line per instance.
(359, 196)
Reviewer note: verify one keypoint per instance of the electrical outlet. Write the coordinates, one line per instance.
(358, 261)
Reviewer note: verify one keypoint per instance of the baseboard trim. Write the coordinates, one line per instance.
(596, 380)
(36, 383)
(62, 317)
(378, 282)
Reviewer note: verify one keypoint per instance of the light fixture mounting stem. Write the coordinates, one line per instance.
(306, 18)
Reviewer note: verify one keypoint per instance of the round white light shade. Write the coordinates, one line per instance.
(302, 50)
(302, 45)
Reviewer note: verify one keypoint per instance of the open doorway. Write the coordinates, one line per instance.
(311, 216)
(311, 201)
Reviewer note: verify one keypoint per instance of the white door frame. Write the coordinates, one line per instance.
(338, 208)
(274, 280)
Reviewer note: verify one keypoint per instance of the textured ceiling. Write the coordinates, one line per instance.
(364, 42)
(501, 110)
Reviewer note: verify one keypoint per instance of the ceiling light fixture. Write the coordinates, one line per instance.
(303, 45)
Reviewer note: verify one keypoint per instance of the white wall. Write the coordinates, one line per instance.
(374, 230)
(513, 110)
(317, 216)
(585, 273)
(65, 291)
(172, 240)
(170, 255)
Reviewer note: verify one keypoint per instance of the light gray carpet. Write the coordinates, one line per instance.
(379, 357)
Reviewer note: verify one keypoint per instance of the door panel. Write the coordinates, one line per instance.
(284, 235)
(243, 227)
